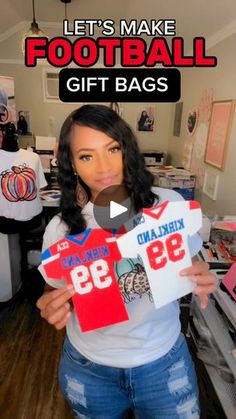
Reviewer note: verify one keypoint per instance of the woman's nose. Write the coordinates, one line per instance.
(103, 164)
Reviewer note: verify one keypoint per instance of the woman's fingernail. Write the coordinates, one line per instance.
(197, 291)
(71, 289)
(183, 272)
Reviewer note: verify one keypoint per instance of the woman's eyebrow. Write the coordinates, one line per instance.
(93, 149)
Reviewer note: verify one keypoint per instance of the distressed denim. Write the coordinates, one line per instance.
(165, 388)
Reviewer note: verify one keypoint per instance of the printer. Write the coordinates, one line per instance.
(154, 157)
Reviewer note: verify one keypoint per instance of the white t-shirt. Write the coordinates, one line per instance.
(149, 333)
(21, 177)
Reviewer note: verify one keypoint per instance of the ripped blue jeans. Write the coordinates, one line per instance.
(165, 388)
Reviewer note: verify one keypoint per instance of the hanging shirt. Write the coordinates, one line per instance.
(161, 241)
(21, 177)
(86, 261)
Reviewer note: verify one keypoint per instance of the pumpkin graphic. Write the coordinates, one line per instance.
(19, 184)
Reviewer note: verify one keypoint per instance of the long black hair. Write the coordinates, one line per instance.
(9, 142)
(137, 179)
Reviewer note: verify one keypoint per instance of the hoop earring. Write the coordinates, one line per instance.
(81, 195)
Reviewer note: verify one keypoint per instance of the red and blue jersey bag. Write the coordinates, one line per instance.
(86, 261)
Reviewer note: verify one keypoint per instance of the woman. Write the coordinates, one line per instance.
(143, 363)
(22, 125)
(142, 122)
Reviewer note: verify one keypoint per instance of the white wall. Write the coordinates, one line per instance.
(223, 81)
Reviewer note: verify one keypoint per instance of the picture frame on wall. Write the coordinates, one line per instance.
(26, 117)
(219, 132)
(178, 118)
(7, 100)
(146, 118)
(192, 120)
(116, 106)
(210, 184)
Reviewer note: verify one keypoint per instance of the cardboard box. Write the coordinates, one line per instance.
(174, 178)
(175, 182)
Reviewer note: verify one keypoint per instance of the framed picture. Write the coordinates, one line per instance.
(7, 104)
(24, 123)
(178, 117)
(7, 100)
(218, 133)
(192, 120)
(210, 184)
(146, 118)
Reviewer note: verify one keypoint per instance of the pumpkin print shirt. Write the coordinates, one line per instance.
(21, 177)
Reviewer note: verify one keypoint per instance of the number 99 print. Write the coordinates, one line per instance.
(87, 261)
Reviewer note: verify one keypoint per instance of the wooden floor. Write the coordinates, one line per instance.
(29, 356)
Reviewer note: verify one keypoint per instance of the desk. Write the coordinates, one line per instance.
(51, 201)
(50, 197)
(51, 204)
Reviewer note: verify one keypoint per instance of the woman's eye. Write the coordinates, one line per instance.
(114, 149)
(85, 157)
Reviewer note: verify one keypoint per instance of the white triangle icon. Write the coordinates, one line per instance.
(116, 209)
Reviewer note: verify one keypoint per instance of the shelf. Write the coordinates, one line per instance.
(218, 328)
(219, 332)
(228, 306)
(226, 392)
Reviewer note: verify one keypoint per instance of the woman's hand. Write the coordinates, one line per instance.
(205, 281)
(54, 306)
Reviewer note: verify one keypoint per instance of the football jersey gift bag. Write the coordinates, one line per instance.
(86, 261)
(161, 241)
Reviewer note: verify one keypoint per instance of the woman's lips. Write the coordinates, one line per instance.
(108, 180)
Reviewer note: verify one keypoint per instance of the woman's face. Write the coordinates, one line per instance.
(96, 158)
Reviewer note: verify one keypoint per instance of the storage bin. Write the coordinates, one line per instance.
(187, 193)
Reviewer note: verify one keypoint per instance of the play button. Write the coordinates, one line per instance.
(113, 209)
(116, 209)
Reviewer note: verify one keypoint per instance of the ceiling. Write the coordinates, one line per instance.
(193, 18)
